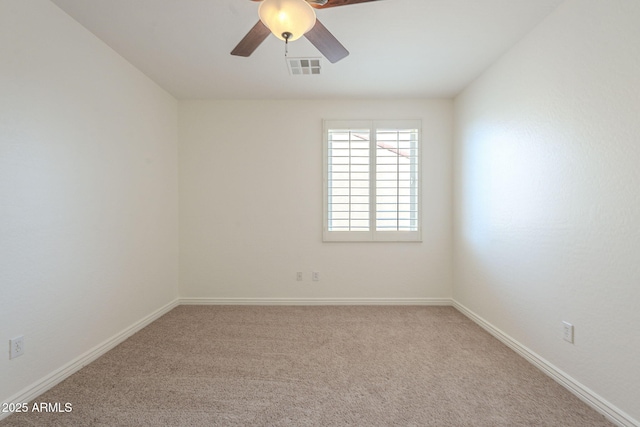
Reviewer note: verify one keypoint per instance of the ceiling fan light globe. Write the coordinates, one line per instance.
(287, 16)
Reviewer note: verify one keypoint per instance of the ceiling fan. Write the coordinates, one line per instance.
(291, 19)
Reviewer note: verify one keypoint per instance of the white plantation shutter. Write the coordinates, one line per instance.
(371, 185)
(397, 179)
(349, 190)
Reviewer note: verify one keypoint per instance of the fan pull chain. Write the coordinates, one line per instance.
(286, 35)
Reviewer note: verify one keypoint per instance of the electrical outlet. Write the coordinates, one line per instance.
(567, 332)
(315, 276)
(299, 276)
(16, 347)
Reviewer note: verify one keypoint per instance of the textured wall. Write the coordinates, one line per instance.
(547, 200)
(88, 192)
(251, 204)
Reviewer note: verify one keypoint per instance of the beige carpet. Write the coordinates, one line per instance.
(311, 366)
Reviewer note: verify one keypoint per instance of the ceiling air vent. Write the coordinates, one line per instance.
(303, 66)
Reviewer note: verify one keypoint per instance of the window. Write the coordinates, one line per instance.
(372, 181)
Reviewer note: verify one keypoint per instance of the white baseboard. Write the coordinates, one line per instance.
(316, 301)
(34, 390)
(585, 394)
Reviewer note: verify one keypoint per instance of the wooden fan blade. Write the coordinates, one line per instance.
(252, 40)
(326, 43)
(335, 3)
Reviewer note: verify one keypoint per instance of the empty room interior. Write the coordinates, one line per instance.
(170, 199)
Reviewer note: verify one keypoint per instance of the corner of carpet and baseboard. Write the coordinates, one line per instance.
(611, 412)
(49, 381)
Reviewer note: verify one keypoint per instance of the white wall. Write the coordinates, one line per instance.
(547, 199)
(88, 192)
(251, 204)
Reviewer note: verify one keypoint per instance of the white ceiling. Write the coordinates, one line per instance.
(399, 48)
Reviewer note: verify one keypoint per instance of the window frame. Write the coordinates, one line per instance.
(372, 234)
